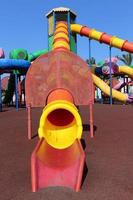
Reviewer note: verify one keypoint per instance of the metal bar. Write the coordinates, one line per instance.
(91, 121)
(127, 88)
(0, 94)
(89, 51)
(110, 74)
(29, 122)
(16, 91)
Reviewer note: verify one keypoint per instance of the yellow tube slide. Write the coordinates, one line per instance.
(60, 124)
(106, 89)
(126, 70)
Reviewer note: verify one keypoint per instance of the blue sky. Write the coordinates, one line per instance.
(23, 23)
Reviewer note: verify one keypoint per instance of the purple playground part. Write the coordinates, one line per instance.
(106, 68)
(2, 55)
(113, 59)
(129, 98)
(120, 85)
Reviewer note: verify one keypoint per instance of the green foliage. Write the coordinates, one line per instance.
(10, 90)
(126, 58)
(91, 61)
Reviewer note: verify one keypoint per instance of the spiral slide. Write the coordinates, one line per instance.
(126, 70)
(106, 89)
(113, 41)
(115, 94)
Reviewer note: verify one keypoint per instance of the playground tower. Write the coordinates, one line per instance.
(65, 15)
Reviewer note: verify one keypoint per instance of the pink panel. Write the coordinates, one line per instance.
(59, 69)
(2, 55)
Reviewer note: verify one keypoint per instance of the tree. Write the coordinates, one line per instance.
(126, 58)
(91, 61)
(10, 90)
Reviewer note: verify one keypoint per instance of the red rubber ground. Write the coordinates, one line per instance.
(109, 156)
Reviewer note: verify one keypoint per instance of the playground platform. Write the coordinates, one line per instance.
(109, 156)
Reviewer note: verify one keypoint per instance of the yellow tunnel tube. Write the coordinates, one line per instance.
(106, 89)
(60, 124)
(126, 70)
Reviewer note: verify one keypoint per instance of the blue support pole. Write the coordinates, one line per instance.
(16, 90)
(0, 94)
(54, 23)
(76, 38)
(48, 34)
(24, 92)
(110, 74)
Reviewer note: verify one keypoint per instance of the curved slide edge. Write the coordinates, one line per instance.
(126, 70)
(106, 89)
(102, 37)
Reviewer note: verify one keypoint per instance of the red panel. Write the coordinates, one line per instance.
(59, 69)
(128, 46)
(105, 38)
(54, 167)
(85, 31)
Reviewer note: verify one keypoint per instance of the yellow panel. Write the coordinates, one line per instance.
(117, 42)
(96, 35)
(51, 25)
(76, 28)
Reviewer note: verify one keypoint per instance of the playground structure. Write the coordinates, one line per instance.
(59, 154)
(60, 126)
(15, 68)
(112, 41)
(59, 81)
(16, 65)
(117, 85)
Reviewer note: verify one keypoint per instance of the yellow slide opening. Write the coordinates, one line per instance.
(60, 124)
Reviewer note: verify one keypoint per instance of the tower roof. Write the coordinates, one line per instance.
(60, 9)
